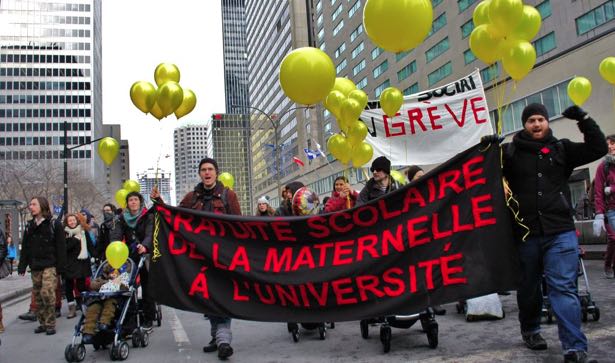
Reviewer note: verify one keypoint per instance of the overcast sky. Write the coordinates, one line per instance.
(137, 35)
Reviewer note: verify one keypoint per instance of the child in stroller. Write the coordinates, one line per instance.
(114, 327)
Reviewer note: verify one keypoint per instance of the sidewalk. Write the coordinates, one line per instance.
(14, 286)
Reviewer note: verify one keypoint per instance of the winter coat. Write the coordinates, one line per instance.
(3, 247)
(221, 200)
(284, 210)
(76, 268)
(602, 202)
(141, 234)
(371, 191)
(538, 171)
(43, 246)
(104, 236)
(337, 203)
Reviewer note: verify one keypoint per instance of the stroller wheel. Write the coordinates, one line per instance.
(364, 329)
(136, 338)
(68, 353)
(295, 335)
(144, 339)
(459, 307)
(332, 325)
(79, 353)
(322, 332)
(432, 336)
(596, 314)
(385, 338)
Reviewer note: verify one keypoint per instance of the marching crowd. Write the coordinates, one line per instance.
(536, 165)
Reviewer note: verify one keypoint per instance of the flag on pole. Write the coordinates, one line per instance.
(298, 161)
(311, 154)
(319, 149)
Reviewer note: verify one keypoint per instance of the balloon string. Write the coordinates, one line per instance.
(157, 253)
(160, 134)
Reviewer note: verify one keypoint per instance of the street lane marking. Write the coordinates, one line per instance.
(178, 329)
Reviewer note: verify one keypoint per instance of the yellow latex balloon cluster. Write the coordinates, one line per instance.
(346, 102)
(503, 31)
(128, 186)
(168, 98)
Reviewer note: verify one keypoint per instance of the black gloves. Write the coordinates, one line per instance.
(488, 139)
(575, 113)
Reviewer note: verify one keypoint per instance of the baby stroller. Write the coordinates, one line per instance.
(588, 305)
(127, 322)
(293, 329)
(428, 325)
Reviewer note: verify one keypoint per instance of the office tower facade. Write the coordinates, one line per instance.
(50, 72)
(119, 171)
(191, 144)
(152, 177)
(235, 56)
(230, 137)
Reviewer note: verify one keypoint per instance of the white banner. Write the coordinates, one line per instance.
(431, 126)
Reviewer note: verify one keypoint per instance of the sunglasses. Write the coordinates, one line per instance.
(376, 170)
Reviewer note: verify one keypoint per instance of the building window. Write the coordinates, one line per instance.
(319, 21)
(337, 12)
(468, 56)
(466, 28)
(464, 4)
(355, 33)
(381, 68)
(340, 49)
(412, 89)
(544, 8)
(341, 66)
(545, 44)
(595, 17)
(358, 49)
(376, 52)
(435, 3)
(356, 7)
(439, 48)
(399, 56)
(440, 73)
(321, 34)
(438, 23)
(322, 47)
(362, 83)
(381, 87)
(338, 27)
(359, 67)
(406, 71)
(318, 6)
(490, 73)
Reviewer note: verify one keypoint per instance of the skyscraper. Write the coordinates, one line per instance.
(50, 72)
(119, 171)
(191, 143)
(155, 177)
(235, 56)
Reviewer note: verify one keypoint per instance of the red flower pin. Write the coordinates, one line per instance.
(545, 150)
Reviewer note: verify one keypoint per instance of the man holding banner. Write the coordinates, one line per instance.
(537, 167)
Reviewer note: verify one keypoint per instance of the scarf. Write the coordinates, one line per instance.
(609, 159)
(130, 220)
(79, 234)
(524, 140)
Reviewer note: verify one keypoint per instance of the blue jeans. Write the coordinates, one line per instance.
(221, 329)
(556, 256)
(610, 218)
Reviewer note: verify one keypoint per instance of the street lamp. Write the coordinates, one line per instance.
(275, 126)
(66, 156)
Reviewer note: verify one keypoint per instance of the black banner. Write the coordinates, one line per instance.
(444, 238)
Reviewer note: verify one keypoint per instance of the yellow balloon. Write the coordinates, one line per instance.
(361, 154)
(391, 100)
(351, 110)
(170, 96)
(143, 95)
(360, 96)
(227, 179)
(108, 148)
(307, 75)
(579, 90)
(131, 186)
(116, 254)
(607, 69)
(519, 60)
(529, 25)
(485, 44)
(339, 147)
(120, 197)
(399, 177)
(344, 85)
(357, 131)
(157, 112)
(397, 25)
(166, 72)
(187, 105)
(481, 13)
(505, 15)
(333, 102)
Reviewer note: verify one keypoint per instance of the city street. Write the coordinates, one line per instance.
(182, 336)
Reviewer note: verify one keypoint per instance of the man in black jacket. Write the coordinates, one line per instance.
(380, 183)
(537, 167)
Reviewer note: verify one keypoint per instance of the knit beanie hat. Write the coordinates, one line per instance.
(210, 161)
(381, 163)
(534, 109)
(412, 170)
(263, 200)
